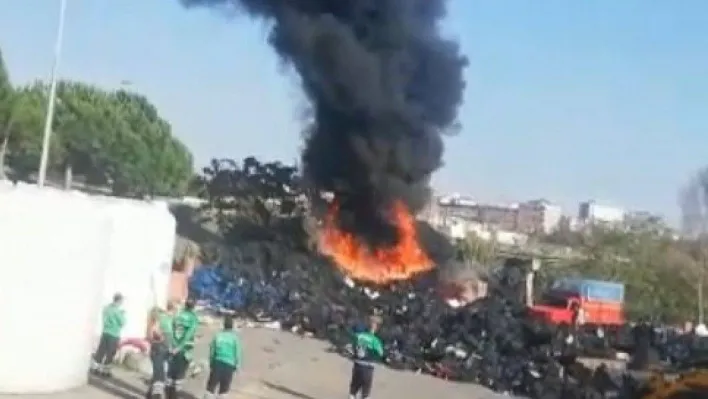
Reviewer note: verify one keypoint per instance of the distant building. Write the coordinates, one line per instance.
(643, 220)
(538, 216)
(590, 212)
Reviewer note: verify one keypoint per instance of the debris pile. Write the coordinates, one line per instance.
(492, 342)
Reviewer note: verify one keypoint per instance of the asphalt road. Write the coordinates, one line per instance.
(280, 365)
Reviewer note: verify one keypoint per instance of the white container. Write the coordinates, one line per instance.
(54, 248)
(140, 260)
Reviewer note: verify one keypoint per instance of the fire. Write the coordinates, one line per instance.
(381, 265)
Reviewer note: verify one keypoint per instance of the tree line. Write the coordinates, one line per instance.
(114, 139)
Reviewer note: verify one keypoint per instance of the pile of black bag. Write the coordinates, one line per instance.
(492, 342)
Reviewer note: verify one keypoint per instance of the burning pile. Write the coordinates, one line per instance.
(401, 261)
(383, 86)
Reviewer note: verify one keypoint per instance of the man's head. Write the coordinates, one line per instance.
(189, 304)
(374, 323)
(117, 298)
(228, 323)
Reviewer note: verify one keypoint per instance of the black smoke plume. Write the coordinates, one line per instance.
(383, 86)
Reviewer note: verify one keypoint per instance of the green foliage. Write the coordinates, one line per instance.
(24, 133)
(478, 250)
(7, 105)
(256, 201)
(113, 139)
(661, 273)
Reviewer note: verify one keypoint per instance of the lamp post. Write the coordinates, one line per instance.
(49, 118)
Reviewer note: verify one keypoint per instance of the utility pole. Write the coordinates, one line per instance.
(49, 118)
(702, 271)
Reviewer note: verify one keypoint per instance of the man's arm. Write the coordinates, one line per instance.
(212, 349)
(378, 348)
(187, 338)
(121, 318)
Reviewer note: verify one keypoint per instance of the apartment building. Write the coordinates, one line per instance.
(528, 217)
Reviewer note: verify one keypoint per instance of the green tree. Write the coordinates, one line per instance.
(82, 127)
(476, 249)
(7, 106)
(24, 134)
(145, 157)
(693, 201)
(256, 201)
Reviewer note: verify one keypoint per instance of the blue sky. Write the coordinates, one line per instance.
(568, 100)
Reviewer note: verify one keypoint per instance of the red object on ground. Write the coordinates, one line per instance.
(140, 344)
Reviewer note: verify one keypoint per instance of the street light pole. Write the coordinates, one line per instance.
(49, 118)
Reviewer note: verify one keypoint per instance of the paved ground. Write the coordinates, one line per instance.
(280, 365)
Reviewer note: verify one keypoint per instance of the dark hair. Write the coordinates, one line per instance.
(117, 297)
(189, 304)
(228, 323)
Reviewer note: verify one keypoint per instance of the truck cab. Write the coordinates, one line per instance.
(592, 302)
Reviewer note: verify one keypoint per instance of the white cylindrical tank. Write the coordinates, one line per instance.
(54, 251)
(139, 263)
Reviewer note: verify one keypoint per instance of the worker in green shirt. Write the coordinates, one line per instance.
(225, 359)
(113, 321)
(185, 325)
(367, 350)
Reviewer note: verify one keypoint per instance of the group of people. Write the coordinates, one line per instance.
(171, 335)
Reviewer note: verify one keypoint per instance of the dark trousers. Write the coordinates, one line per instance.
(362, 379)
(106, 351)
(159, 354)
(178, 367)
(220, 376)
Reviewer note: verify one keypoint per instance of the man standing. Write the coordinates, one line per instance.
(185, 331)
(161, 337)
(368, 349)
(113, 322)
(224, 360)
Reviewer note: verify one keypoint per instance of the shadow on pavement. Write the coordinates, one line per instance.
(286, 390)
(116, 388)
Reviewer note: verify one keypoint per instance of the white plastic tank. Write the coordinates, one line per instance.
(139, 261)
(54, 252)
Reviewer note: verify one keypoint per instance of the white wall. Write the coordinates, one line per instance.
(140, 259)
(54, 253)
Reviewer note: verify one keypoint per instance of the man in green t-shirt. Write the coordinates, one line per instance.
(113, 321)
(368, 350)
(225, 358)
(184, 332)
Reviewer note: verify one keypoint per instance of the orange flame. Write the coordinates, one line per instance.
(381, 265)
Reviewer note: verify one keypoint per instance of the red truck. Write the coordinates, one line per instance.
(595, 303)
